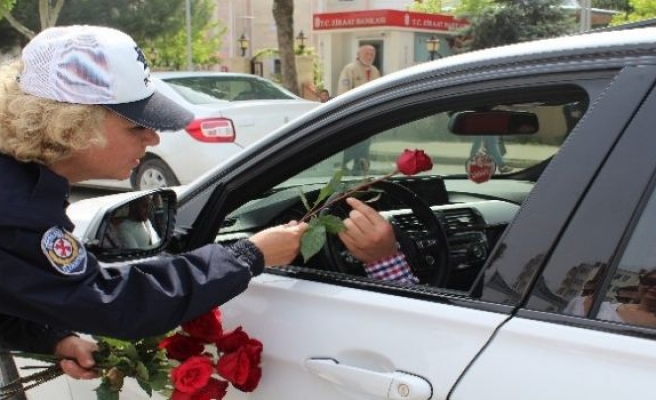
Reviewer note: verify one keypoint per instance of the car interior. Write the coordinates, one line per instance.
(486, 158)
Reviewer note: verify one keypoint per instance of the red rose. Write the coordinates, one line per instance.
(178, 395)
(180, 347)
(236, 366)
(232, 340)
(214, 390)
(207, 327)
(412, 162)
(254, 350)
(192, 374)
(253, 380)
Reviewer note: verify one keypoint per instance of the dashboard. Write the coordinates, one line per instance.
(472, 224)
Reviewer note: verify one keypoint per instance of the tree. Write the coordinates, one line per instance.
(637, 10)
(168, 50)
(502, 22)
(154, 24)
(48, 14)
(468, 8)
(138, 18)
(619, 5)
(426, 6)
(283, 15)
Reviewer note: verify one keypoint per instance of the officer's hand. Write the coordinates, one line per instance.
(368, 236)
(280, 244)
(78, 357)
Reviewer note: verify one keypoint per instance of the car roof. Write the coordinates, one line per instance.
(616, 42)
(187, 74)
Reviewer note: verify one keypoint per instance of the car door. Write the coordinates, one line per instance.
(340, 342)
(341, 339)
(253, 119)
(565, 343)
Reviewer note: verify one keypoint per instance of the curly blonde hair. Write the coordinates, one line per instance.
(42, 130)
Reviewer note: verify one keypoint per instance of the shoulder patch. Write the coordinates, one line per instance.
(65, 253)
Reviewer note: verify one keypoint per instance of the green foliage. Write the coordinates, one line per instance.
(7, 5)
(313, 239)
(511, 21)
(427, 6)
(116, 359)
(169, 49)
(467, 8)
(154, 24)
(619, 5)
(141, 360)
(319, 225)
(637, 10)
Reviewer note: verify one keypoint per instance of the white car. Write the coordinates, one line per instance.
(232, 111)
(535, 283)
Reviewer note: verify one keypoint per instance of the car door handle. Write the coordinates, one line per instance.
(387, 385)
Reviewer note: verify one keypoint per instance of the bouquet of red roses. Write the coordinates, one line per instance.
(210, 359)
(197, 362)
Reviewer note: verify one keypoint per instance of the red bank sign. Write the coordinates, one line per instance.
(387, 18)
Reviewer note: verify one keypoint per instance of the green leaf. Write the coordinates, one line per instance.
(304, 199)
(332, 223)
(131, 352)
(142, 371)
(331, 187)
(146, 386)
(160, 380)
(313, 239)
(104, 392)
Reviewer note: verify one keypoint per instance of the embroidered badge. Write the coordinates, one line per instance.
(64, 252)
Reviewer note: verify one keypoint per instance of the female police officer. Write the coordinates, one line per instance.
(80, 105)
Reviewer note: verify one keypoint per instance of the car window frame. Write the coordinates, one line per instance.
(609, 236)
(222, 201)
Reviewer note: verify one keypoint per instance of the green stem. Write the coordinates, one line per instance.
(346, 194)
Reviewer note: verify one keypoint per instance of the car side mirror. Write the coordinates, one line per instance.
(139, 227)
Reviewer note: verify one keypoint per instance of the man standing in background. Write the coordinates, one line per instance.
(360, 71)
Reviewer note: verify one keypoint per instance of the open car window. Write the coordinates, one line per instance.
(451, 153)
(477, 184)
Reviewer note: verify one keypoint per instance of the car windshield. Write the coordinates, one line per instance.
(455, 156)
(219, 89)
(467, 166)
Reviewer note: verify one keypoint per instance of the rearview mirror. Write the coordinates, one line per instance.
(494, 122)
(141, 226)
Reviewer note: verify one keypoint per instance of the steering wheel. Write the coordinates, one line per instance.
(423, 240)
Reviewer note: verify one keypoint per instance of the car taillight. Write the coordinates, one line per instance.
(212, 130)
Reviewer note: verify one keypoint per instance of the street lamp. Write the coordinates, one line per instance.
(243, 44)
(300, 38)
(433, 47)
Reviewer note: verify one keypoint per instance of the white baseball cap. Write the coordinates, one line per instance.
(83, 64)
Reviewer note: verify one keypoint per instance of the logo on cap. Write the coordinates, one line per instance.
(141, 57)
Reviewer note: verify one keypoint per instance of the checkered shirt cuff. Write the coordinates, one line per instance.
(392, 268)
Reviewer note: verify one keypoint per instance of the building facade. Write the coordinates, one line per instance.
(336, 28)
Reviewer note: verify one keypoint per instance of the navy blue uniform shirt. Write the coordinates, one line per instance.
(43, 299)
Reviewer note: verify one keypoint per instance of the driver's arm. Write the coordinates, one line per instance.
(370, 238)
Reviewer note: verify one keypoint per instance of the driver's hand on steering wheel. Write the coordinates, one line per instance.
(368, 236)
